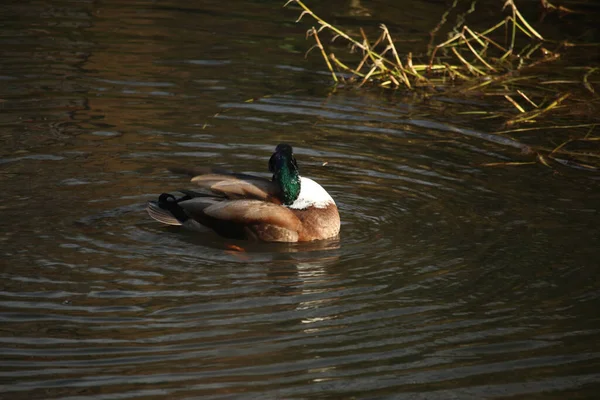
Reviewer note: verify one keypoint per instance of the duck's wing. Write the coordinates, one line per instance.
(238, 186)
(195, 171)
(254, 213)
(233, 185)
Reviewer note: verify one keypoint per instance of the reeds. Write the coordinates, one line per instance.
(470, 62)
(471, 51)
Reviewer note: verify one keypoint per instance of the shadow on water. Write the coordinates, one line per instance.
(450, 279)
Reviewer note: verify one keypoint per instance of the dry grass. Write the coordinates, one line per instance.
(474, 63)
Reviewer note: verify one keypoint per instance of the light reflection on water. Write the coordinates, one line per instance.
(449, 279)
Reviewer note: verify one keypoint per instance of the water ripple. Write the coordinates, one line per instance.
(450, 279)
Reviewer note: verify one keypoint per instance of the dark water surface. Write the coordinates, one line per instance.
(451, 279)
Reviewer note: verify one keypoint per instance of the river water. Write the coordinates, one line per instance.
(453, 277)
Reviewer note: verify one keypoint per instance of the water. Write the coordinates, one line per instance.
(451, 278)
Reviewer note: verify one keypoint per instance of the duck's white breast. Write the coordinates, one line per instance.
(311, 195)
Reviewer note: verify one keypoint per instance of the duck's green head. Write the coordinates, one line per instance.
(285, 173)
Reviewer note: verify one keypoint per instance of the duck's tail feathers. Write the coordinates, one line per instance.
(167, 210)
(161, 215)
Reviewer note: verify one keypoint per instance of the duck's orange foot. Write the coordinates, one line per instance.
(237, 252)
(233, 247)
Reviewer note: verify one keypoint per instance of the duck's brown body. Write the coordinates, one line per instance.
(300, 226)
(318, 223)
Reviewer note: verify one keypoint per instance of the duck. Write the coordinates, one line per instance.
(286, 208)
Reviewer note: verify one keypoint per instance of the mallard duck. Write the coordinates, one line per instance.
(287, 208)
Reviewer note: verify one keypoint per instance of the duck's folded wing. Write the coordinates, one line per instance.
(254, 212)
(195, 171)
(238, 186)
(196, 206)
